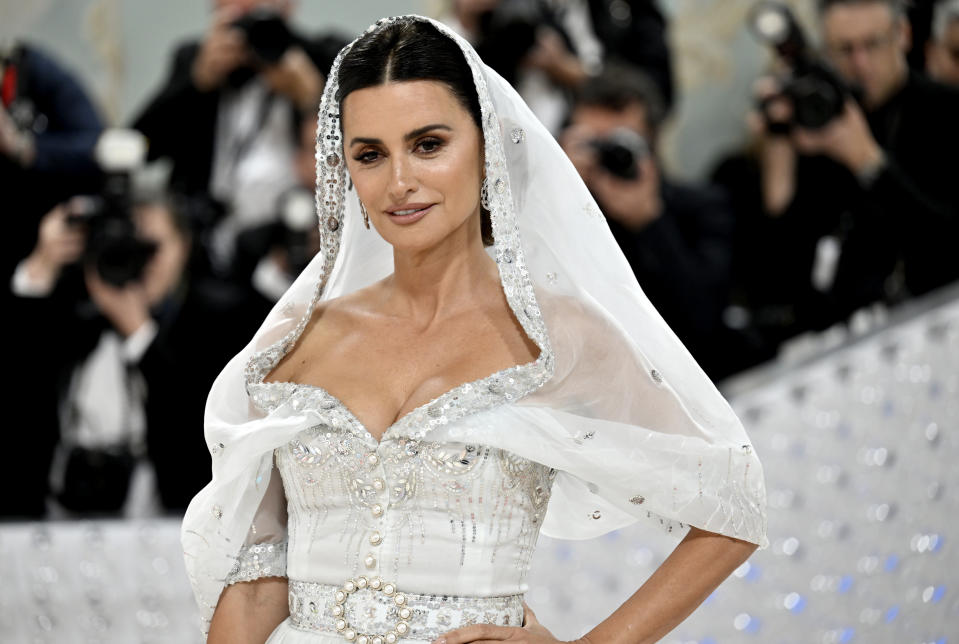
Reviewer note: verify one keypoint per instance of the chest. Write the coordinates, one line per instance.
(381, 371)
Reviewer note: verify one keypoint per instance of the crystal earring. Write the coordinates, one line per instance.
(366, 216)
(484, 193)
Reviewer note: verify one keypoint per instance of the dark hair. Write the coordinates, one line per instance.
(410, 49)
(896, 7)
(620, 85)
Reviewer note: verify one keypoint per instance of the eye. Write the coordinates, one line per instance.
(367, 156)
(429, 144)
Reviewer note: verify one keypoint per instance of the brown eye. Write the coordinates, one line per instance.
(369, 156)
(429, 145)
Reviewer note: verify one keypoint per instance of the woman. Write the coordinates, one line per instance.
(415, 402)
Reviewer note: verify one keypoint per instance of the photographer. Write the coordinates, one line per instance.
(48, 128)
(543, 49)
(942, 49)
(676, 237)
(872, 179)
(130, 349)
(227, 115)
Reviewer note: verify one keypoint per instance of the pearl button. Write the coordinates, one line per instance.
(361, 582)
(379, 485)
(377, 510)
(370, 561)
(376, 539)
(372, 459)
(375, 583)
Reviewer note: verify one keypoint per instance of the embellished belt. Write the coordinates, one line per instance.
(371, 611)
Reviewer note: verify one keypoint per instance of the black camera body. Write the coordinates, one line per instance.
(620, 152)
(815, 91)
(113, 248)
(267, 34)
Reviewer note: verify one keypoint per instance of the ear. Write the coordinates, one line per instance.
(904, 34)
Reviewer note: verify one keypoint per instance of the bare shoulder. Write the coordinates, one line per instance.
(332, 322)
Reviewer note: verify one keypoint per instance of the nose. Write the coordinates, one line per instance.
(402, 180)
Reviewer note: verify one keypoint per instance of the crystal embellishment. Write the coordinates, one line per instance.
(517, 135)
(257, 561)
(656, 376)
(388, 616)
(637, 500)
(401, 626)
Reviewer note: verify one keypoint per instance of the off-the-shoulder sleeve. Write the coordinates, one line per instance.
(263, 554)
(627, 446)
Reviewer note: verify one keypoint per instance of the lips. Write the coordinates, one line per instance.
(408, 213)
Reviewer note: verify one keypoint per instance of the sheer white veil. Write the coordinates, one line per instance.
(614, 402)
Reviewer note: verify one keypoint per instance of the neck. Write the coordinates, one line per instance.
(429, 285)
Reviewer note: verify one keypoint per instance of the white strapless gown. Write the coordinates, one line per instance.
(429, 535)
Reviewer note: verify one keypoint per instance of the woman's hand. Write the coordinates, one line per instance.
(531, 632)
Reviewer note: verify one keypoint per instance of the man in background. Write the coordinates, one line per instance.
(878, 178)
(676, 237)
(228, 115)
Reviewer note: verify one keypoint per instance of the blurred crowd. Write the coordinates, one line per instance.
(128, 296)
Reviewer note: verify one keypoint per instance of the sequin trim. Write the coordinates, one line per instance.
(374, 613)
(259, 560)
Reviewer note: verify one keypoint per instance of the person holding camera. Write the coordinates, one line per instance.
(856, 160)
(48, 129)
(543, 49)
(676, 237)
(131, 343)
(228, 114)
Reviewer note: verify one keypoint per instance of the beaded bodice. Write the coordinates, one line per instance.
(436, 516)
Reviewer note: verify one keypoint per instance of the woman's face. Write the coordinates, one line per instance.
(415, 156)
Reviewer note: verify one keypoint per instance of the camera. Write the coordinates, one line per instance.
(815, 90)
(113, 248)
(620, 152)
(508, 33)
(267, 34)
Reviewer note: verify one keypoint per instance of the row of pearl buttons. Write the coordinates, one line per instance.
(376, 510)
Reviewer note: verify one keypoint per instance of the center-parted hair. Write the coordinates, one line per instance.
(411, 50)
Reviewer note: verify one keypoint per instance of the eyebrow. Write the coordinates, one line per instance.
(410, 135)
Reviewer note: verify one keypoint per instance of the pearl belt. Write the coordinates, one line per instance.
(371, 611)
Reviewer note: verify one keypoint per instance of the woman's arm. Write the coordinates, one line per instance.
(248, 611)
(694, 569)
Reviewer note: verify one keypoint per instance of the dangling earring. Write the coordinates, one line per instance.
(366, 216)
(484, 194)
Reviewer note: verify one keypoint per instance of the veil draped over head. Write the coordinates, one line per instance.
(614, 402)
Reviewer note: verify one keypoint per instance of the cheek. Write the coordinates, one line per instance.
(456, 175)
